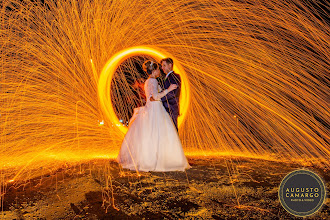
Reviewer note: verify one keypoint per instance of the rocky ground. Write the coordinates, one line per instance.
(214, 188)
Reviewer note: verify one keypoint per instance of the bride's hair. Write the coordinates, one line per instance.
(148, 66)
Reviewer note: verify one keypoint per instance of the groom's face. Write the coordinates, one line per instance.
(166, 67)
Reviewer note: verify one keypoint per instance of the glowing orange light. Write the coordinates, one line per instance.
(104, 83)
(257, 79)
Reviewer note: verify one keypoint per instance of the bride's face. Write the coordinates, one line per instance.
(157, 72)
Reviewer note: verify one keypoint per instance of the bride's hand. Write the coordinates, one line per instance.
(172, 87)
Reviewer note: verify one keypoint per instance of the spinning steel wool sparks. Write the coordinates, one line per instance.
(257, 73)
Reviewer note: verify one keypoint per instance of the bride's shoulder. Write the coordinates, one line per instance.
(151, 80)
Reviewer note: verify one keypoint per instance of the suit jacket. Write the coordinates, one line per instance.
(171, 100)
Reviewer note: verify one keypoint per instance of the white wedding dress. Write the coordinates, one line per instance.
(152, 142)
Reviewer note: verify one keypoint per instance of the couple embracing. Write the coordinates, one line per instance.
(152, 142)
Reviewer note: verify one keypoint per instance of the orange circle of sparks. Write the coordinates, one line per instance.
(104, 83)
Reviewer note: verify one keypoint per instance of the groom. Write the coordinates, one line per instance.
(171, 100)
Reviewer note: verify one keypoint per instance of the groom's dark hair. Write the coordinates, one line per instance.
(167, 60)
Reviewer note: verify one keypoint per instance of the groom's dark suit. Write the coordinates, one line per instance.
(171, 100)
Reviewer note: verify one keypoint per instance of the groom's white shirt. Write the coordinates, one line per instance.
(168, 74)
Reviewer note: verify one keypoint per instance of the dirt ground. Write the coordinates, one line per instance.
(214, 188)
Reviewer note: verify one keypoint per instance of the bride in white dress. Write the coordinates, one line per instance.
(152, 142)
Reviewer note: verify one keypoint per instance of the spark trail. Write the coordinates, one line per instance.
(258, 74)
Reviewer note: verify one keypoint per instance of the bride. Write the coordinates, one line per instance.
(152, 142)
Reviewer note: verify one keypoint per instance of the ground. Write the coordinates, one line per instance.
(214, 188)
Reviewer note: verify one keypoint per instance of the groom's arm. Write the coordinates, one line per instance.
(173, 94)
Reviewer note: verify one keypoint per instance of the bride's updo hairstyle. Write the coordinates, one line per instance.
(148, 66)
